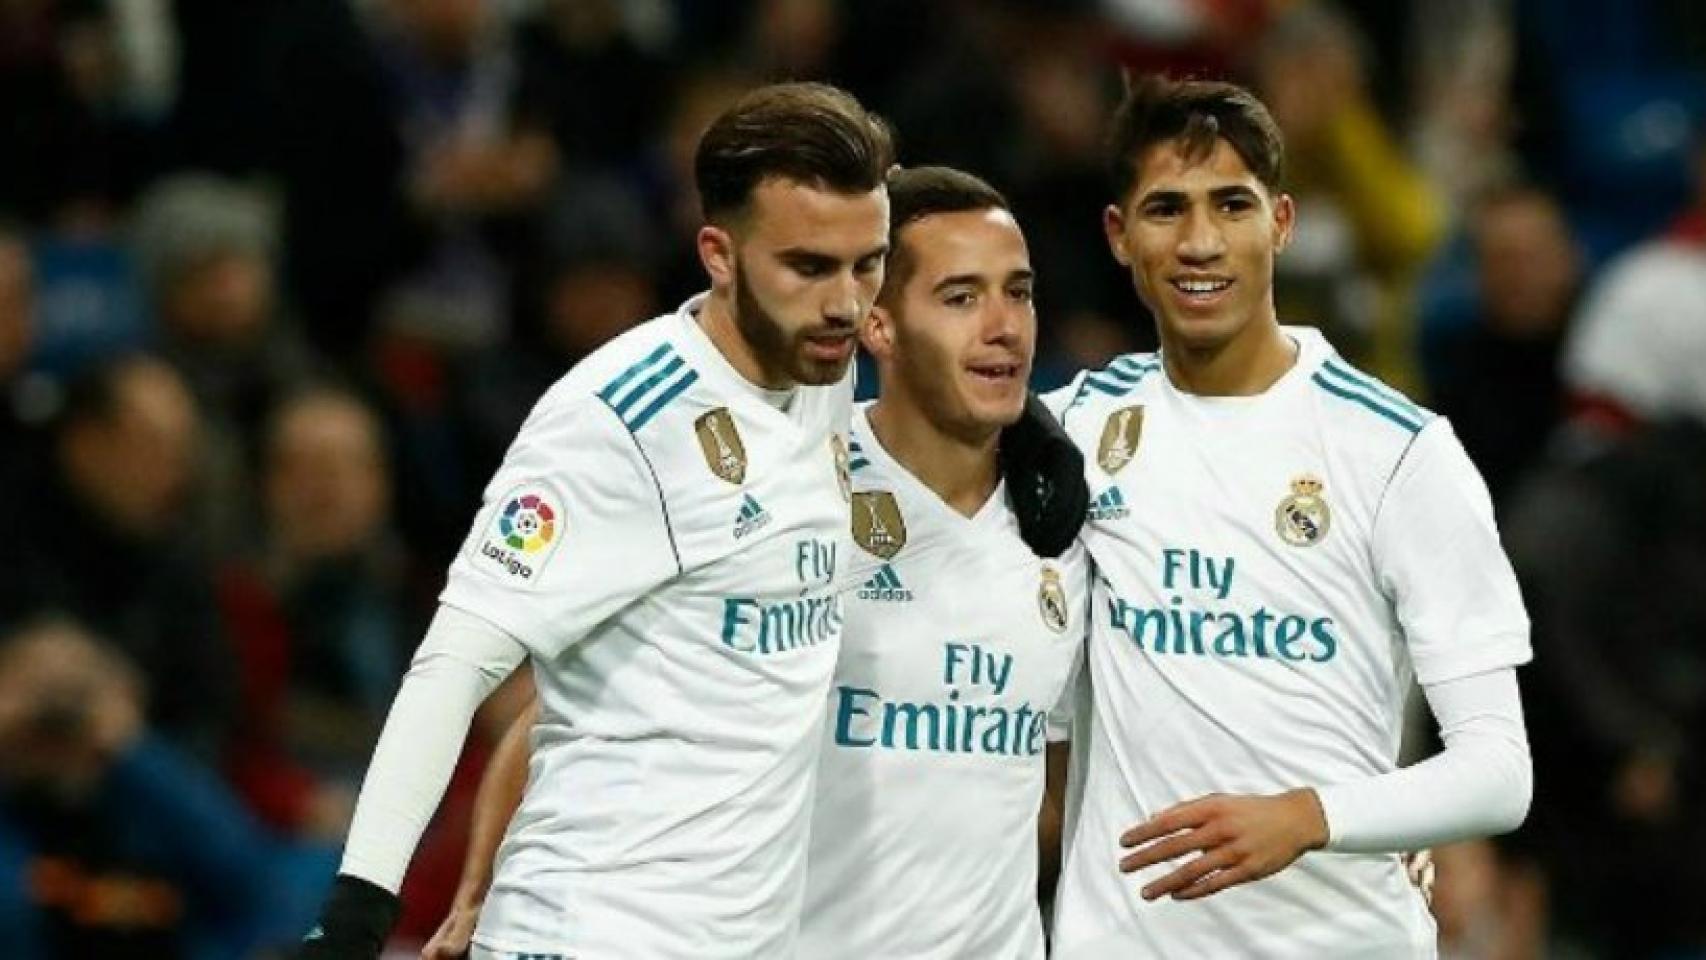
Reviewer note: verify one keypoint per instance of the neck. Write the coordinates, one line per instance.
(960, 470)
(717, 319)
(1244, 366)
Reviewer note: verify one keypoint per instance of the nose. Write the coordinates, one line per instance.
(843, 305)
(1006, 321)
(1200, 238)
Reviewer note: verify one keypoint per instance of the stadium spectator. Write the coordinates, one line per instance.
(1640, 343)
(113, 843)
(100, 535)
(1498, 372)
(1367, 217)
(318, 613)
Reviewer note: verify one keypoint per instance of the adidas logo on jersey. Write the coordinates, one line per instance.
(751, 518)
(1109, 505)
(885, 586)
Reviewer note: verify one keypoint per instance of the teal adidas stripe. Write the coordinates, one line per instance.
(646, 386)
(608, 394)
(857, 463)
(675, 390)
(1362, 399)
(1351, 377)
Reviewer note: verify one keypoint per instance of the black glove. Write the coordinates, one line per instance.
(354, 922)
(1045, 480)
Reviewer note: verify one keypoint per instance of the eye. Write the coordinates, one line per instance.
(1163, 209)
(959, 298)
(1236, 205)
(870, 264)
(1020, 293)
(810, 269)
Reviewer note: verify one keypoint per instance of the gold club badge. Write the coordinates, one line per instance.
(1302, 519)
(843, 473)
(1051, 600)
(1119, 438)
(877, 523)
(720, 441)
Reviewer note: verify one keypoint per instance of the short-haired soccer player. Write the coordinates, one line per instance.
(959, 643)
(1281, 543)
(662, 540)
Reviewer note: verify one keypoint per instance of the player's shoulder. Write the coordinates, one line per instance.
(1122, 380)
(1357, 407)
(638, 376)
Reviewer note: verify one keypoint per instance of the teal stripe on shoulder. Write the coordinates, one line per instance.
(647, 385)
(608, 394)
(1403, 420)
(1352, 377)
(675, 390)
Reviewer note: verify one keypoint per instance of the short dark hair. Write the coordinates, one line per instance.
(812, 133)
(919, 192)
(1195, 114)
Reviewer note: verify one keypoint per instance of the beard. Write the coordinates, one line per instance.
(779, 354)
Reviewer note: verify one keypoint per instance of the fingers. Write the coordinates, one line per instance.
(1171, 820)
(1190, 874)
(1230, 877)
(1169, 849)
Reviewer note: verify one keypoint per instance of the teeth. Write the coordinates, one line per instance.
(1202, 286)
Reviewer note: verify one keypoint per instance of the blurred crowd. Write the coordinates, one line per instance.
(279, 279)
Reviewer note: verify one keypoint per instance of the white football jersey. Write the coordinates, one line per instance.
(1272, 574)
(664, 540)
(957, 648)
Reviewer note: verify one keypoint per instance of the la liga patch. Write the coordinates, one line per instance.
(523, 533)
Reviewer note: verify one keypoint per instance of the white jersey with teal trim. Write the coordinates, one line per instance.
(1272, 573)
(664, 541)
(957, 648)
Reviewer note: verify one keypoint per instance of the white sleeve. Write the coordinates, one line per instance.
(1479, 785)
(1437, 556)
(572, 530)
(461, 660)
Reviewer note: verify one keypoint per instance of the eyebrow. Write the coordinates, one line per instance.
(1217, 195)
(976, 279)
(808, 255)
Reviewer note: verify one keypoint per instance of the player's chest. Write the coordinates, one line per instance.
(1197, 501)
(966, 626)
(758, 501)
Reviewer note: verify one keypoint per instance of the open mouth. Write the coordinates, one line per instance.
(995, 372)
(1201, 289)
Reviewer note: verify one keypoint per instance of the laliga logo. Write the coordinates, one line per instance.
(526, 526)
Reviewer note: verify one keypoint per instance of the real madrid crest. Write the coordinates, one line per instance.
(1051, 600)
(877, 523)
(720, 441)
(843, 473)
(1119, 438)
(1302, 519)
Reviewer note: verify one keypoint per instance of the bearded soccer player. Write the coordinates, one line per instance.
(959, 642)
(662, 541)
(1281, 543)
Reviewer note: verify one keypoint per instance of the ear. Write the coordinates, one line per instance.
(717, 253)
(1285, 217)
(1113, 226)
(877, 332)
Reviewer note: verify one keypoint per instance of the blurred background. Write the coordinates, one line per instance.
(279, 279)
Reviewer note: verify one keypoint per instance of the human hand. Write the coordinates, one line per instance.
(1419, 867)
(455, 934)
(1241, 838)
(68, 705)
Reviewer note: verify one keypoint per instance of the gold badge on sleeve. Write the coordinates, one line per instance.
(1051, 600)
(1119, 438)
(877, 523)
(1303, 518)
(721, 443)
